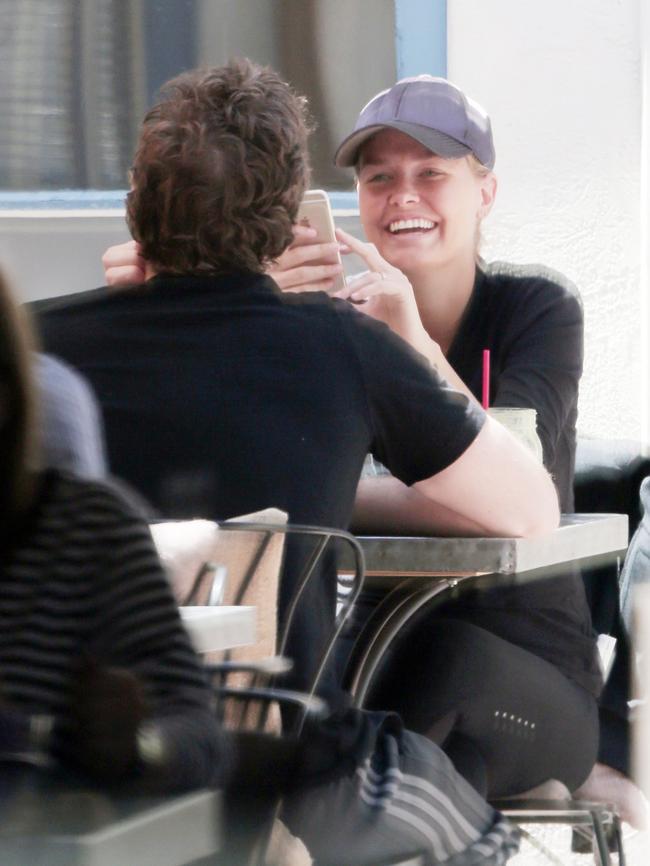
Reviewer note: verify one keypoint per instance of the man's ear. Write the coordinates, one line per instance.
(488, 194)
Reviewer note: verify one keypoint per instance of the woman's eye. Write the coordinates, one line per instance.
(379, 177)
(432, 172)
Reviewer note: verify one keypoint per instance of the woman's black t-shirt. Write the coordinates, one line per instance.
(530, 318)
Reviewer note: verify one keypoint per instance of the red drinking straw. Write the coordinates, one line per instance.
(486, 378)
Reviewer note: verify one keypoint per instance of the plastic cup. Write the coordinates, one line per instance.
(522, 423)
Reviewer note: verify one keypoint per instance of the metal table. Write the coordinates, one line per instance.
(47, 820)
(416, 569)
(579, 536)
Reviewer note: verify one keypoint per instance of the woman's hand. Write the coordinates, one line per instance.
(383, 291)
(306, 266)
(124, 265)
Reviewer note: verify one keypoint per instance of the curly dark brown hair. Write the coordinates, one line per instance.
(220, 169)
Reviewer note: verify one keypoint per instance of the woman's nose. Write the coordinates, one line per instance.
(403, 193)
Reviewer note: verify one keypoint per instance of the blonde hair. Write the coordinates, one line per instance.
(477, 167)
(479, 170)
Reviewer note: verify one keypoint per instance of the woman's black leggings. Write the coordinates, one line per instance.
(508, 719)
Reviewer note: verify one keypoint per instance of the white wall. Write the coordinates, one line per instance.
(50, 253)
(561, 80)
(57, 253)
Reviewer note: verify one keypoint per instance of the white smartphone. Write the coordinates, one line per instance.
(315, 212)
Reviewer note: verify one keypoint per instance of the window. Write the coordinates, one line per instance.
(79, 74)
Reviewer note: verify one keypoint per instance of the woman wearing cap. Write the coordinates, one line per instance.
(519, 665)
(498, 676)
(513, 669)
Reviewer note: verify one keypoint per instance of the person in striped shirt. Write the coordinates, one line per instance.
(95, 666)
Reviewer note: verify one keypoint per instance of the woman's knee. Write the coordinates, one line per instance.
(432, 669)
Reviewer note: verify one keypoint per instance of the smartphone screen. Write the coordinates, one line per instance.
(316, 213)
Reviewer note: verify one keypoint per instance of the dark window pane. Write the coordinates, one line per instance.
(78, 74)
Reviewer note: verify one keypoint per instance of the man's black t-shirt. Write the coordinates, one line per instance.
(222, 396)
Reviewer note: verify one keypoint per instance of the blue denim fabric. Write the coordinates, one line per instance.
(636, 569)
(72, 436)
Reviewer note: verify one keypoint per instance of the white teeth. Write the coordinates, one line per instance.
(403, 225)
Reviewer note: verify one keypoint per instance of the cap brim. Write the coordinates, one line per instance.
(437, 142)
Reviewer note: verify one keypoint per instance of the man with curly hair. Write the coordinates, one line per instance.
(222, 395)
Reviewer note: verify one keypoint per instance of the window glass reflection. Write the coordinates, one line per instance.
(78, 74)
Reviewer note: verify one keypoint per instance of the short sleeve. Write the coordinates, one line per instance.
(542, 362)
(420, 424)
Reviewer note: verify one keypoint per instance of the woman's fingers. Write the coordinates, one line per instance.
(356, 283)
(303, 234)
(306, 266)
(365, 251)
(308, 278)
(368, 285)
(294, 256)
(123, 264)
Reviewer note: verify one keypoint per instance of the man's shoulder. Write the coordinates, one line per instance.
(72, 302)
(344, 322)
(359, 325)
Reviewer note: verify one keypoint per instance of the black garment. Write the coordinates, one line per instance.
(80, 576)
(531, 320)
(402, 799)
(536, 638)
(508, 719)
(222, 396)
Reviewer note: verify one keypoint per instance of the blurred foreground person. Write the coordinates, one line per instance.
(70, 420)
(95, 667)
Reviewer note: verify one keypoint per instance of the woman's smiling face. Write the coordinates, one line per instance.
(420, 210)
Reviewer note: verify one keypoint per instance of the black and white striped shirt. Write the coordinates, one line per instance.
(81, 576)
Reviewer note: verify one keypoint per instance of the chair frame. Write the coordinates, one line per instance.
(385, 624)
(578, 813)
(326, 534)
(249, 839)
(248, 850)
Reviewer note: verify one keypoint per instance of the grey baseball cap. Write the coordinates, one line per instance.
(431, 110)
